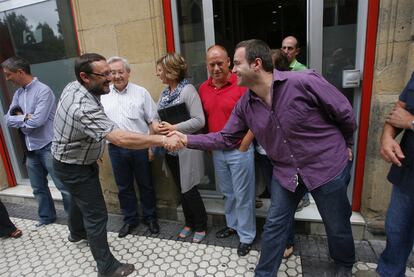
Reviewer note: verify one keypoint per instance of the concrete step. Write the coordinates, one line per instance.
(308, 221)
(23, 194)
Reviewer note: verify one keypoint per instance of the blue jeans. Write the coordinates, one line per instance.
(266, 168)
(334, 208)
(127, 164)
(39, 163)
(399, 228)
(235, 175)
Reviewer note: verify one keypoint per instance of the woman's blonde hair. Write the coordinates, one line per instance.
(174, 66)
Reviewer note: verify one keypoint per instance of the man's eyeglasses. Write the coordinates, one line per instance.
(105, 74)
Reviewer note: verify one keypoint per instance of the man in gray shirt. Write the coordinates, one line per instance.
(81, 128)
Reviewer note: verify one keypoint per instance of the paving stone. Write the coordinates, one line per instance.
(46, 252)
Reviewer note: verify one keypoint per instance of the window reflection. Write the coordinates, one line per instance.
(36, 33)
(192, 44)
(43, 34)
(339, 41)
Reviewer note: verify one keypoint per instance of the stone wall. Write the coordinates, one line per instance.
(393, 66)
(134, 30)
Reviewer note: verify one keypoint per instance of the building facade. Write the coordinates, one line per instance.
(364, 47)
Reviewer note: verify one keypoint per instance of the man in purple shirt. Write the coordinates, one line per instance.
(306, 127)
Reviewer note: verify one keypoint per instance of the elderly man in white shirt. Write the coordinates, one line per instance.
(131, 107)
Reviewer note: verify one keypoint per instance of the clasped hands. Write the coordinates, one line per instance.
(175, 141)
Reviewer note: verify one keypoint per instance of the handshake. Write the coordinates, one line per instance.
(174, 141)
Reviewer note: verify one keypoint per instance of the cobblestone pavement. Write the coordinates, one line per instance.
(47, 252)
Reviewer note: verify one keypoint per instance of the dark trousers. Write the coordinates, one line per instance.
(127, 164)
(193, 206)
(87, 212)
(6, 226)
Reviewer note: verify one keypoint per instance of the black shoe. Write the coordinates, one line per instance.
(225, 233)
(126, 229)
(72, 238)
(122, 270)
(244, 249)
(154, 227)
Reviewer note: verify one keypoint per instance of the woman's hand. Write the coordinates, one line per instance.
(164, 128)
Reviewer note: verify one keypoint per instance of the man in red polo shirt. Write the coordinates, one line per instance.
(234, 168)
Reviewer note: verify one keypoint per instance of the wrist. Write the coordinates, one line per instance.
(164, 138)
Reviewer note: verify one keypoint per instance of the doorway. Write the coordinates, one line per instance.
(331, 34)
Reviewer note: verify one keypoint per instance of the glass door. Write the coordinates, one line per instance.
(48, 43)
(336, 37)
(331, 34)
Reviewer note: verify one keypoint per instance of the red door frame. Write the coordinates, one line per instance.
(368, 77)
(169, 31)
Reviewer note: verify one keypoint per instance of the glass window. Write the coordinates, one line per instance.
(192, 44)
(43, 33)
(339, 41)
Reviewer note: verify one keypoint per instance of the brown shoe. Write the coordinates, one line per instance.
(16, 234)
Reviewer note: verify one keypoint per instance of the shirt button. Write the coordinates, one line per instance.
(297, 169)
(291, 156)
(284, 141)
(277, 127)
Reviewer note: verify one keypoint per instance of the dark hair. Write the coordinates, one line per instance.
(84, 64)
(174, 66)
(257, 49)
(280, 60)
(15, 63)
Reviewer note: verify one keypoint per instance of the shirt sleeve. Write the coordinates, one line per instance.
(94, 122)
(14, 121)
(334, 103)
(193, 103)
(45, 102)
(409, 87)
(150, 108)
(229, 137)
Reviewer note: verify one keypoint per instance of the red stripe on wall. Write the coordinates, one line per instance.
(75, 26)
(169, 31)
(370, 46)
(11, 179)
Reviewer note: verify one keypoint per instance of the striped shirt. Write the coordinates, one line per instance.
(132, 109)
(80, 126)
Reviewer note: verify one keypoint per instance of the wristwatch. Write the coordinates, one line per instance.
(412, 125)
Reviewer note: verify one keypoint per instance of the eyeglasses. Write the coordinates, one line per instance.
(105, 74)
